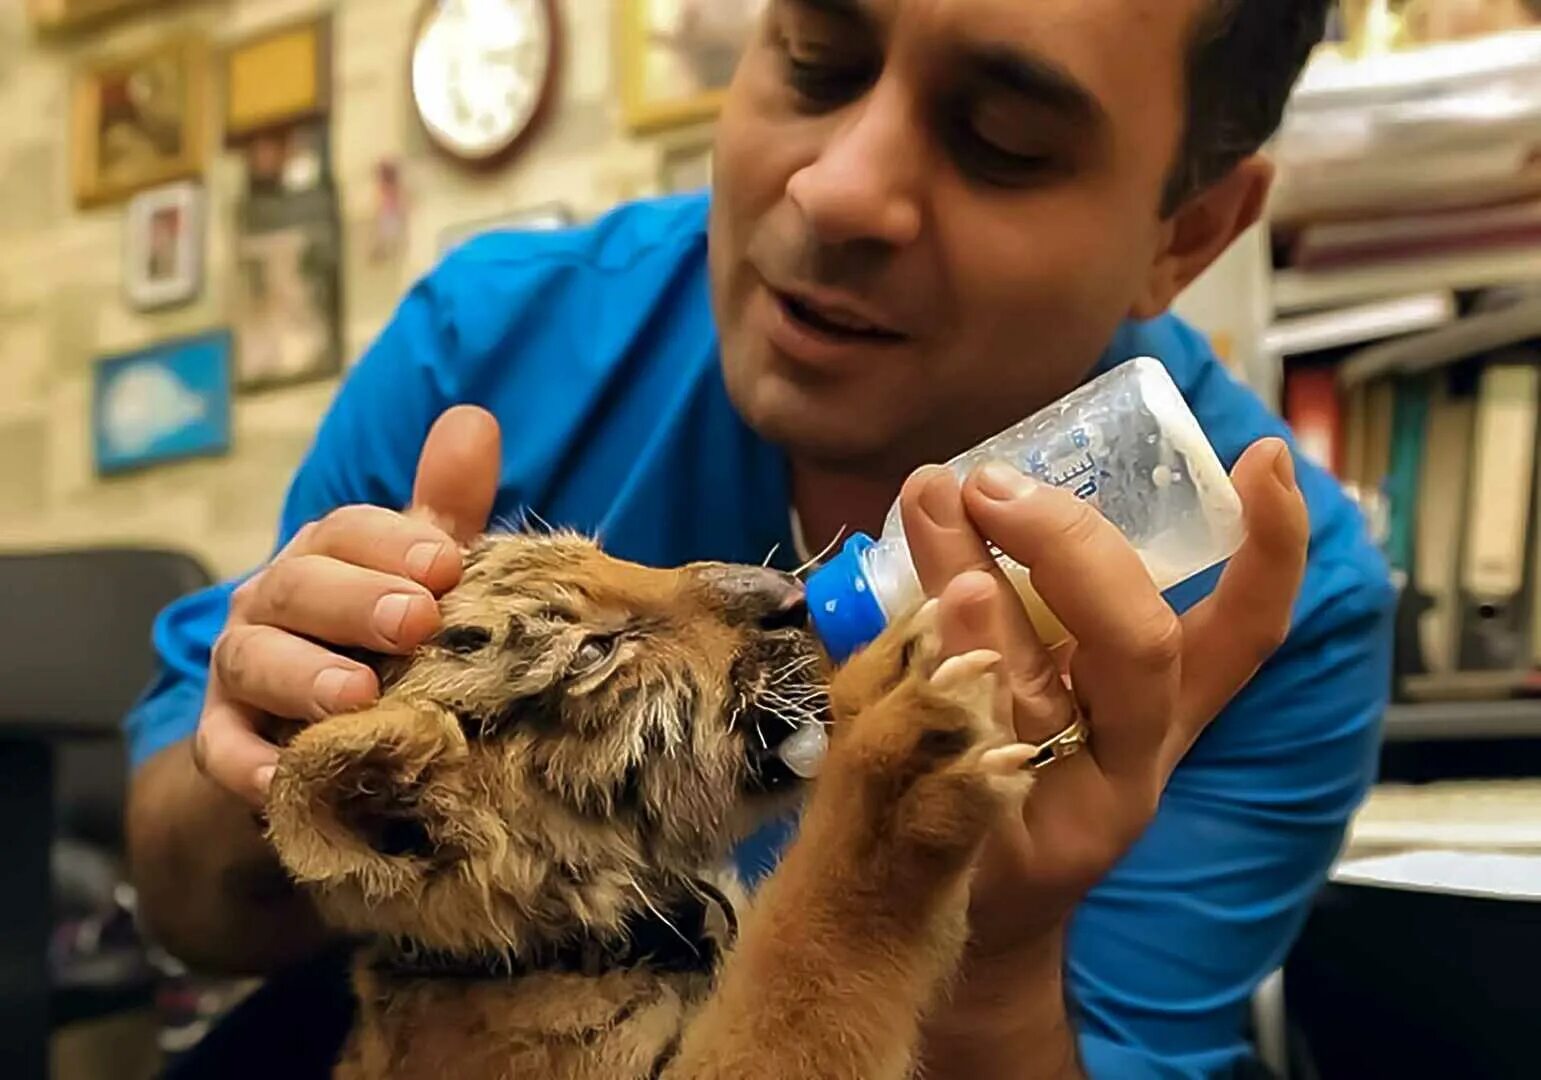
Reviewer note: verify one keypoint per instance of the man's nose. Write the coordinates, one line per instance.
(863, 184)
(767, 599)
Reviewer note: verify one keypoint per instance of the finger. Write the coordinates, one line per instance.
(1228, 635)
(272, 671)
(1128, 640)
(383, 540)
(457, 472)
(970, 616)
(339, 603)
(229, 751)
(945, 546)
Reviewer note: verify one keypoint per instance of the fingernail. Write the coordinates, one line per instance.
(1284, 468)
(330, 687)
(265, 777)
(390, 613)
(939, 498)
(1000, 482)
(421, 556)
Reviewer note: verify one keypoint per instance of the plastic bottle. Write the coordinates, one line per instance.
(1125, 442)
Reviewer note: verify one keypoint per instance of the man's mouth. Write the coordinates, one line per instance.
(834, 321)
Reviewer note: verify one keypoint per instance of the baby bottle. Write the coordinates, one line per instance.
(1125, 442)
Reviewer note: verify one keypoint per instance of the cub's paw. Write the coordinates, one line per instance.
(926, 764)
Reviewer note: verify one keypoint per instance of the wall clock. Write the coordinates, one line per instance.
(483, 73)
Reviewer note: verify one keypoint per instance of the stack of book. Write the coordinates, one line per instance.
(1425, 156)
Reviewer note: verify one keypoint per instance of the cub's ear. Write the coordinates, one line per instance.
(357, 794)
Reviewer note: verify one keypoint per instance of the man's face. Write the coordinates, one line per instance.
(931, 215)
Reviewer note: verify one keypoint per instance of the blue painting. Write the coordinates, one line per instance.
(166, 402)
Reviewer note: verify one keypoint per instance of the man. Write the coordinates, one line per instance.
(931, 218)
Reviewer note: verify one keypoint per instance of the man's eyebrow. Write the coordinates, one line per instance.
(1037, 79)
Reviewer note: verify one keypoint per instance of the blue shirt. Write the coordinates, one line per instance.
(597, 351)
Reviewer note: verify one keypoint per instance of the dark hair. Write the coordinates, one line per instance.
(1243, 60)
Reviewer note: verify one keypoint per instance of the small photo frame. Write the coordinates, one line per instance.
(278, 78)
(140, 120)
(287, 291)
(678, 56)
(164, 403)
(163, 246)
(542, 218)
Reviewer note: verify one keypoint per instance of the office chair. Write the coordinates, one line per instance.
(75, 652)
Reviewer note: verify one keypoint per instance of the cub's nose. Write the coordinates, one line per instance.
(767, 599)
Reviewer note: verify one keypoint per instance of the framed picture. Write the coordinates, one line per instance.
(278, 78)
(546, 216)
(163, 246)
(140, 121)
(289, 160)
(286, 301)
(686, 167)
(678, 56)
(159, 404)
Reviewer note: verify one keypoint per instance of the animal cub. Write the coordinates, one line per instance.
(528, 831)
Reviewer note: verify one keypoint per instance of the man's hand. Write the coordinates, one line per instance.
(362, 576)
(1146, 682)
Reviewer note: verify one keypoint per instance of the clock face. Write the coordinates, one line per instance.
(480, 70)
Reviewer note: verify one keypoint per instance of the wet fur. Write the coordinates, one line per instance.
(511, 788)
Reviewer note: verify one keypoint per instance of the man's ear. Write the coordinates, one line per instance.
(1200, 230)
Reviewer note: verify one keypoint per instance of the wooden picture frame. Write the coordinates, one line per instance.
(140, 120)
(52, 16)
(676, 57)
(279, 77)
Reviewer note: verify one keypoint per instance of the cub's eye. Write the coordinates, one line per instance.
(463, 639)
(591, 655)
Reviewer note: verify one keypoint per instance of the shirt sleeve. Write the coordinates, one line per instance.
(1166, 953)
(364, 452)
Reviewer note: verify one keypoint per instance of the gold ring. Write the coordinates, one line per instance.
(1058, 747)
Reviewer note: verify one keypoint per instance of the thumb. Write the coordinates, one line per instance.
(457, 474)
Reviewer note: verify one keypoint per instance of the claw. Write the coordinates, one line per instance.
(965, 669)
(1005, 760)
(924, 618)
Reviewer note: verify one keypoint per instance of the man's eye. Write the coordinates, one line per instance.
(823, 83)
(995, 164)
(996, 148)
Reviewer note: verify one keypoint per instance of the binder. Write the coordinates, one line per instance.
(1313, 412)
(1439, 522)
(1494, 621)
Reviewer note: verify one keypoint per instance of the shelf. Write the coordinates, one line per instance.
(1450, 720)
(1296, 290)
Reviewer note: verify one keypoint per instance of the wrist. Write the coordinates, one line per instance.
(1001, 992)
(1006, 1017)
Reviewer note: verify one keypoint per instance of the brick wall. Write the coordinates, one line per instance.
(60, 287)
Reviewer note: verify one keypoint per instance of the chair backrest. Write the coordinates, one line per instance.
(75, 652)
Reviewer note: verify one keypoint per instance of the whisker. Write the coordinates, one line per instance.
(542, 522)
(821, 556)
(771, 554)
(660, 915)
